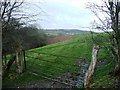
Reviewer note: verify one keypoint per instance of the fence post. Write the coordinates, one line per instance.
(24, 59)
(91, 69)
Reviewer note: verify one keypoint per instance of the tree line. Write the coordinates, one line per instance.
(25, 38)
(17, 36)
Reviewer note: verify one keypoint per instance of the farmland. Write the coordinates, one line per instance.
(58, 60)
(59, 39)
(60, 44)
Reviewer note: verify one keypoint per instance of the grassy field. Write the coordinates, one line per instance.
(53, 66)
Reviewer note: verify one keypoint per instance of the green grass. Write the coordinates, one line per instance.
(102, 78)
(50, 66)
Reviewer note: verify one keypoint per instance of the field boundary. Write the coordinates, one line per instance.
(67, 81)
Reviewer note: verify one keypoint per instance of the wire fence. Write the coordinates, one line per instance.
(65, 74)
(58, 69)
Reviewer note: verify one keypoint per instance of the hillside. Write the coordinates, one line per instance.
(65, 31)
(61, 61)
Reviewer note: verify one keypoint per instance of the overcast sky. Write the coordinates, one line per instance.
(63, 14)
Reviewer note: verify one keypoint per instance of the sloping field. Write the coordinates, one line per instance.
(57, 60)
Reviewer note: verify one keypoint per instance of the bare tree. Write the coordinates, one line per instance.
(8, 7)
(11, 18)
(111, 20)
(110, 10)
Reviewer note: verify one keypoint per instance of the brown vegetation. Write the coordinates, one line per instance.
(59, 39)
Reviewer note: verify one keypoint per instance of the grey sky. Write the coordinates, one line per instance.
(63, 14)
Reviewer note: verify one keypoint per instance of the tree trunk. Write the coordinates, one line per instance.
(117, 67)
(24, 59)
(117, 28)
(19, 61)
(91, 69)
(8, 65)
(5, 60)
(3, 64)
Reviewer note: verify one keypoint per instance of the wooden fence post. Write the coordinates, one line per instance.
(91, 69)
(24, 59)
(19, 61)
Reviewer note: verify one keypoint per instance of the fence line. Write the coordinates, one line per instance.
(52, 79)
(55, 67)
(61, 73)
(52, 62)
(56, 55)
(48, 76)
(52, 76)
(52, 70)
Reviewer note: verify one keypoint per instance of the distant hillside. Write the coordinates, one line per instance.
(65, 31)
(59, 39)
